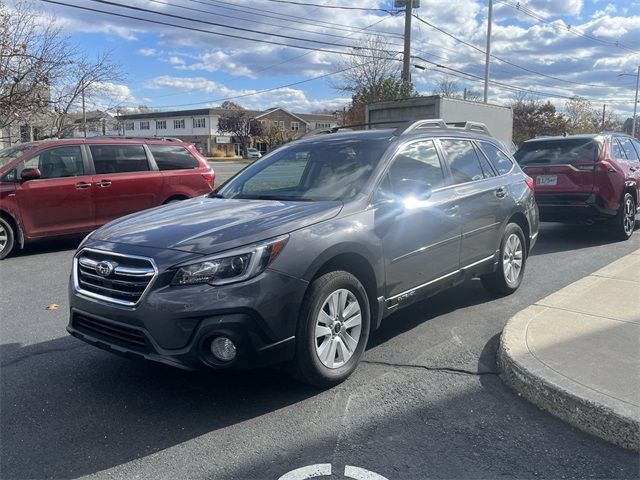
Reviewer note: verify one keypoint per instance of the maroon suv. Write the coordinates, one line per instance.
(585, 178)
(64, 187)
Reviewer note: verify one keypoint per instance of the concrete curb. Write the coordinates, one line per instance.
(584, 408)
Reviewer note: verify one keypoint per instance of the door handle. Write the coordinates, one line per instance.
(500, 193)
(104, 183)
(451, 211)
(82, 185)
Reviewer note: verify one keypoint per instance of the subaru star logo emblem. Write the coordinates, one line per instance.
(104, 268)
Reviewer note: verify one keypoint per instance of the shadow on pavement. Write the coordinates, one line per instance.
(557, 237)
(78, 410)
(48, 245)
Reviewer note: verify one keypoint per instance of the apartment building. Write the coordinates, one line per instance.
(200, 126)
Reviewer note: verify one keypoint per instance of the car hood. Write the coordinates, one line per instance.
(209, 225)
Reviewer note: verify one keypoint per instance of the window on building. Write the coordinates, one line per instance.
(199, 123)
(144, 125)
(172, 158)
(129, 126)
(279, 124)
(119, 158)
(323, 125)
(25, 133)
(161, 124)
(177, 124)
(295, 126)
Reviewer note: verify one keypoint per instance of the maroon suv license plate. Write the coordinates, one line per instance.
(547, 180)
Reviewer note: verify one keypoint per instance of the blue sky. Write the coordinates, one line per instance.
(168, 67)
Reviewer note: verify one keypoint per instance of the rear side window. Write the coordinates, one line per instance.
(119, 158)
(500, 161)
(58, 162)
(169, 157)
(464, 162)
(616, 150)
(565, 151)
(628, 148)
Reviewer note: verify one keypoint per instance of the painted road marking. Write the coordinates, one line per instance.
(324, 469)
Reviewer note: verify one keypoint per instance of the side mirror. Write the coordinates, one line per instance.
(30, 174)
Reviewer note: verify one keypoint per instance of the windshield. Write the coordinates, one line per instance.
(10, 153)
(556, 152)
(327, 169)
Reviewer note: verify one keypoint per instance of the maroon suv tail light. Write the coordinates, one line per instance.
(605, 166)
(530, 183)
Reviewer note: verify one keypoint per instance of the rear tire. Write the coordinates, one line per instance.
(511, 265)
(625, 222)
(7, 238)
(332, 330)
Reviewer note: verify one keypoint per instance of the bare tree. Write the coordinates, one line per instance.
(371, 75)
(33, 56)
(241, 126)
(43, 78)
(446, 87)
(229, 105)
(274, 136)
(84, 79)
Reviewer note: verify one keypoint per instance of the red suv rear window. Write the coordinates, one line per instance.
(556, 152)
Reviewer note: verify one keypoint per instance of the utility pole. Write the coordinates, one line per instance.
(406, 59)
(635, 105)
(84, 114)
(488, 59)
(604, 110)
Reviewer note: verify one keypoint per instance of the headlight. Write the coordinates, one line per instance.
(231, 267)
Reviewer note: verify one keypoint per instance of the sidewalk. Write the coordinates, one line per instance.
(576, 353)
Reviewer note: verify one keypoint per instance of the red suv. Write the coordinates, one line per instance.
(63, 187)
(585, 178)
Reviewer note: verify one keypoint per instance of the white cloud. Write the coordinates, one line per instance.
(148, 52)
(290, 98)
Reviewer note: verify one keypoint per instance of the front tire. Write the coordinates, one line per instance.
(513, 258)
(332, 331)
(7, 238)
(626, 219)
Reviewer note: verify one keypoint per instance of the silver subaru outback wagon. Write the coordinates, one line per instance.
(301, 255)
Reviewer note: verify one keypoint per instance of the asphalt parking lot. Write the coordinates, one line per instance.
(425, 403)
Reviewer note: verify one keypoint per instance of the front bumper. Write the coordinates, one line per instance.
(175, 325)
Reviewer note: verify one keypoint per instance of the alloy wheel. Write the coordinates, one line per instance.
(338, 328)
(629, 218)
(4, 237)
(512, 258)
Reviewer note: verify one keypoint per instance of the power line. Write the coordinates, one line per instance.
(339, 7)
(521, 8)
(279, 16)
(534, 72)
(473, 77)
(258, 92)
(210, 12)
(213, 24)
(226, 35)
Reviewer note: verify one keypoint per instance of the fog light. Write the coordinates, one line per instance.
(223, 349)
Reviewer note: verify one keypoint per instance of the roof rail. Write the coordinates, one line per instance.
(439, 123)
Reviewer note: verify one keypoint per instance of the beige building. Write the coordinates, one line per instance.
(200, 126)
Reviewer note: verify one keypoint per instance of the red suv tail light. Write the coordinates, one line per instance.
(530, 183)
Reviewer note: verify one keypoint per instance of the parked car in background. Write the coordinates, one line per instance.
(298, 257)
(64, 187)
(253, 153)
(585, 178)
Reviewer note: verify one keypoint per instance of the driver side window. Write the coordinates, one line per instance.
(58, 162)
